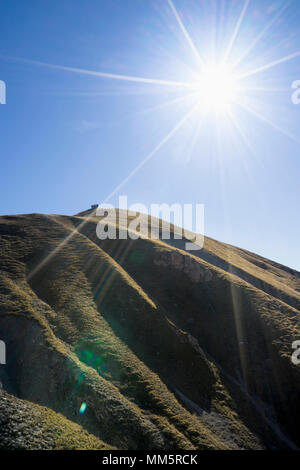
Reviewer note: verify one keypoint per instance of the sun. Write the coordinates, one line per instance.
(216, 89)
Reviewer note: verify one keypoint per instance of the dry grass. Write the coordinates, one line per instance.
(168, 350)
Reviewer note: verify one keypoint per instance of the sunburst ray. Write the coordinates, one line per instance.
(235, 32)
(263, 118)
(45, 260)
(260, 36)
(94, 73)
(186, 34)
(153, 152)
(268, 66)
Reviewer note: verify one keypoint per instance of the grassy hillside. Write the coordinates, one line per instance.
(167, 349)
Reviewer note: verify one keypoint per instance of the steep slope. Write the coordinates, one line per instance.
(167, 349)
(26, 426)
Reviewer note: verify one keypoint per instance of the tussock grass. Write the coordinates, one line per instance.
(168, 350)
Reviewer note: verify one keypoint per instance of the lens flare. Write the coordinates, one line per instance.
(82, 408)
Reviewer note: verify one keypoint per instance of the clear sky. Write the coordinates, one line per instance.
(69, 137)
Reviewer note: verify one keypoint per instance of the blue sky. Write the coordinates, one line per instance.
(69, 138)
